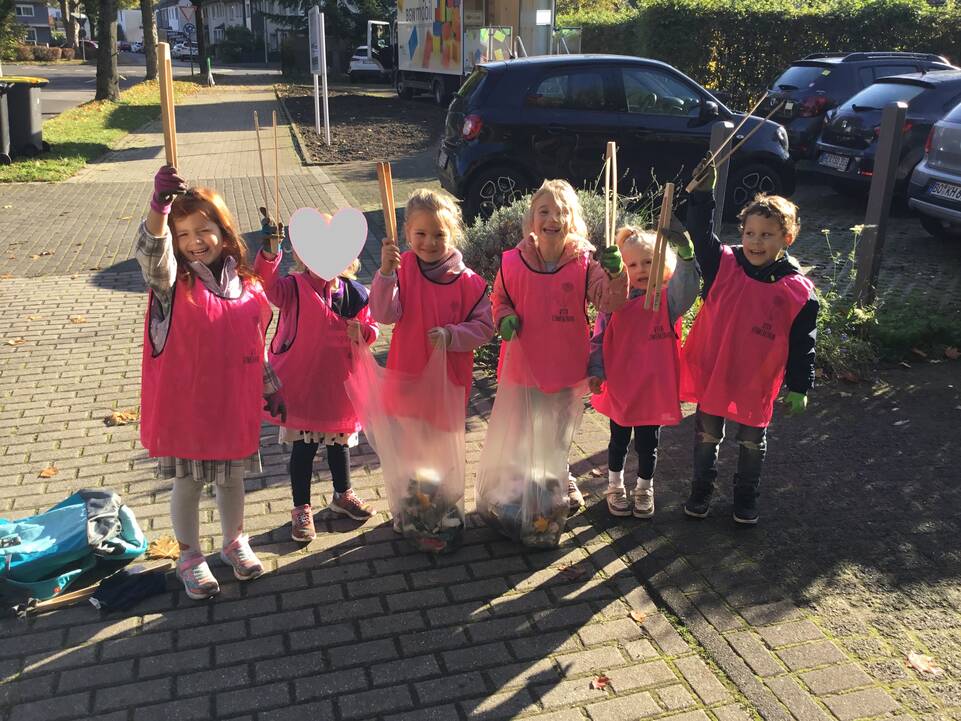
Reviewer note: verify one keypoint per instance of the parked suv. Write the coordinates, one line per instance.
(516, 122)
(848, 143)
(822, 81)
(935, 187)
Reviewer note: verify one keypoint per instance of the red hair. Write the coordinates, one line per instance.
(208, 203)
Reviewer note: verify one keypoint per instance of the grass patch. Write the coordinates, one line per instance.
(86, 132)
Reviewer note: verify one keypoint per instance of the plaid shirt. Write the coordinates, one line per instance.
(155, 254)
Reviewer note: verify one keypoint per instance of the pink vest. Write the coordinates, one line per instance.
(642, 365)
(202, 393)
(314, 367)
(554, 331)
(427, 305)
(734, 358)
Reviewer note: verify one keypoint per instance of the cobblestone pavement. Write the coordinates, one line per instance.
(807, 617)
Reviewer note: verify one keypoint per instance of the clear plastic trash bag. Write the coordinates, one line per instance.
(522, 474)
(416, 425)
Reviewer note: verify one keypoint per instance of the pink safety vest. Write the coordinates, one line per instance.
(735, 355)
(642, 365)
(202, 393)
(427, 304)
(315, 366)
(554, 331)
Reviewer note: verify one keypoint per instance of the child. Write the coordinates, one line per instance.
(635, 363)
(311, 354)
(542, 289)
(204, 369)
(756, 329)
(428, 292)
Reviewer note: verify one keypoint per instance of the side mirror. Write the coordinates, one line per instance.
(709, 109)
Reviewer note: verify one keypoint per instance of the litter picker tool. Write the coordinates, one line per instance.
(167, 103)
(263, 173)
(610, 194)
(386, 183)
(656, 278)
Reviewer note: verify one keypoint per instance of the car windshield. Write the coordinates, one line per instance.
(955, 115)
(802, 77)
(880, 94)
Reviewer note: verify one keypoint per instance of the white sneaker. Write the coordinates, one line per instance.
(644, 498)
(575, 499)
(617, 503)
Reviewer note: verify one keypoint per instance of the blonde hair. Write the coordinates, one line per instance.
(572, 217)
(773, 206)
(443, 206)
(644, 240)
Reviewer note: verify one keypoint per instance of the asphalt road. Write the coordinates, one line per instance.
(73, 84)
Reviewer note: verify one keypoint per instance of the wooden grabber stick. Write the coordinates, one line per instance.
(167, 104)
(278, 235)
(656, 278)
(386, 183)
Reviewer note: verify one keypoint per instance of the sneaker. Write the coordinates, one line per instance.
(699, 502)
(617, 503)
(302, 524)
(350, 504)
(395, 524)
(239, 556)
(199, 582)
(575, 499)
(644, 499)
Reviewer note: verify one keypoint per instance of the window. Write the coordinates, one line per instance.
(24, 11)
(577, 90)
(654, 92)
(31, 36)
(886, 71)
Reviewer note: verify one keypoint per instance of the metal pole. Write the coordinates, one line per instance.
(316, 104)
(719, 133)
(323, 72)
(879, 202)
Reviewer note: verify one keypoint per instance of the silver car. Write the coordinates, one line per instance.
(935, 187)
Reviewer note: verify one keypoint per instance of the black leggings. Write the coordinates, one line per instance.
(645, 443)
(302, 468)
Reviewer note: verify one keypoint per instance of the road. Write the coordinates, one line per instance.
(70, 84)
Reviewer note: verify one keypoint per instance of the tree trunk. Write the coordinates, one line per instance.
(108, 79)
(72, 29)
(201, 39)
(67, 22)
(149, 38)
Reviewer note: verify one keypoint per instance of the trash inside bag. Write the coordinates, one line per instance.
(522, 473)
(416, 425)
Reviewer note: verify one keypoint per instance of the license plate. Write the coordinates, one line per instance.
(789, 106)
(442, 159)
(838, 162)
(945, 190)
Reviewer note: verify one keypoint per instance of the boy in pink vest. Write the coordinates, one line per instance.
(755, 331)
(542, 289)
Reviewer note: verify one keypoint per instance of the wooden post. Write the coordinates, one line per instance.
(167, 103)
(879, 202)
(386, 183)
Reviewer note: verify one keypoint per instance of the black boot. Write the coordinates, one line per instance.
(745, 501)
(699, 502)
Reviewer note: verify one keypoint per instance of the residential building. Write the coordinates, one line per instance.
(35, 17)
(172, 15)
(131, 21)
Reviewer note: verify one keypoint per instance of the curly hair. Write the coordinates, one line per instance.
(443, 206)
(773, 206)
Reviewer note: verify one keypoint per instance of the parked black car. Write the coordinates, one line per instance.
(516, 122)
(823, 81)
(848, 143)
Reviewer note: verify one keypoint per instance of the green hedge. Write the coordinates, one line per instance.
(740, 46)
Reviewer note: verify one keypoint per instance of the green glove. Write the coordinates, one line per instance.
(678, 236)
(509, 326)
(796, 403)
(611, 260)
(707, 172)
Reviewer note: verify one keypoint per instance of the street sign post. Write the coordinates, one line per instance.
(318, 67)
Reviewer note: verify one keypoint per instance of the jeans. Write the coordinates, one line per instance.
(645, 443)
(302, 467)
(708, 434)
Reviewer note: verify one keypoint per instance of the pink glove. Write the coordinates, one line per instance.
(275, 406)
(166, 185)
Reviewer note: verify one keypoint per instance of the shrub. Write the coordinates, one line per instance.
(67, 53)
(24, 53)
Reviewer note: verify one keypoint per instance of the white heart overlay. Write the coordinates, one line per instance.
(327, 245)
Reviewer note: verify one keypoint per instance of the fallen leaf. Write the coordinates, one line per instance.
(78, 319)
(163, 547)
(34, 317)
(572, 572)
(16, 341)
(818, 372)
(540, 524)
(924, 665)
(639, 616)
(600, 683)
(849, 377)
(596, 472)
(952, 353)
(918, 352)
(122, 418)
(48, 472)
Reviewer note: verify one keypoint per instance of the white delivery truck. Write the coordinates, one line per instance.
(434, 44)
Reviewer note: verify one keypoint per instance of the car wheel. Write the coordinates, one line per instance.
(403, 91)
(493, 189)
(440, 94)
(745, 182)
(940, 229)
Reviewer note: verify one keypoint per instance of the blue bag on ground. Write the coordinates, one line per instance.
(41, 556)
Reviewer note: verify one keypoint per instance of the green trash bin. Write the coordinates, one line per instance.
(23, 110)
(4, 123)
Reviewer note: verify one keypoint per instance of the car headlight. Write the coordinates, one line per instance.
(781, 136)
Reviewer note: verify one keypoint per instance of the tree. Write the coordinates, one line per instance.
(149, 37)
(71, 25)
(108, 79)
(199, 29)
